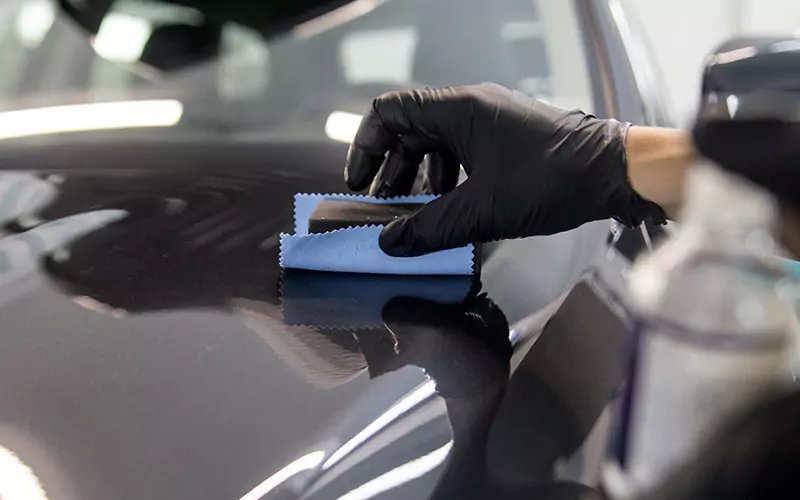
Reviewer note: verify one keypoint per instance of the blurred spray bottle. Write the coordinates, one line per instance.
(713, 333)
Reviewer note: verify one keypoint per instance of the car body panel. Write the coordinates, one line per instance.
(143, 325)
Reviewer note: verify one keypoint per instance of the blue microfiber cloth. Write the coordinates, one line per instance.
(356, 250)
(356, 301)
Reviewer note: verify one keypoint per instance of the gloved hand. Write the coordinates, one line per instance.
(533, 168)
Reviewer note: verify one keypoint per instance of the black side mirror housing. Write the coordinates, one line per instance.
(749, 116)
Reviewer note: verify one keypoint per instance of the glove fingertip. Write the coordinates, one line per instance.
(360, 168)
(391, 239)
(399, 239)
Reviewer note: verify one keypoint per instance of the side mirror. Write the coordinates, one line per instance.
(749, 117)
(748, 79)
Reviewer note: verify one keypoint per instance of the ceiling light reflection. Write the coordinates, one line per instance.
(95, 305)
(735, 55)
(400, 475)
(88, 117)
(414, 398)
(17, 480)
(342, 126)
(122, 37)
(33, 22)
(304, 463)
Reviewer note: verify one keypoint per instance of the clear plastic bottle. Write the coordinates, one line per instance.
(711, 333)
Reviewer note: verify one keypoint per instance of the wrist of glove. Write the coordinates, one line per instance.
(533, 169)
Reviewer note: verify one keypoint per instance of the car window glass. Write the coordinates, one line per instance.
(361, 56)
(244, 64)
(122, 38)
(23, 26)
(293, 84)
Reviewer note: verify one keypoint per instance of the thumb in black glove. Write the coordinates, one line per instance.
(533, 168)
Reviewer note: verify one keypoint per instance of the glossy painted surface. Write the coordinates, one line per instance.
(146, 355)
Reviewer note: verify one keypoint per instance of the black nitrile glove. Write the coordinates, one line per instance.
(533, 168)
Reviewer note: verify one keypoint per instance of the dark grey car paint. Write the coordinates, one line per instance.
(145, 355)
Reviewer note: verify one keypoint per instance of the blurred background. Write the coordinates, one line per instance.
(234, 69)
(679, 33)
(682, 33)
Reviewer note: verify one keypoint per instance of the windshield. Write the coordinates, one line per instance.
(312, 82)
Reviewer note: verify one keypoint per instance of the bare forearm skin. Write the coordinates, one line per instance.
(658, 159)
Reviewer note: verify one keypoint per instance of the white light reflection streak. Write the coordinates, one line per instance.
(342, 126)
(91, 304)
(735, 55)
(416, 397)
(304, 463)
(400, 475)
(17, 480)
(90, 116)
(733, 105)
